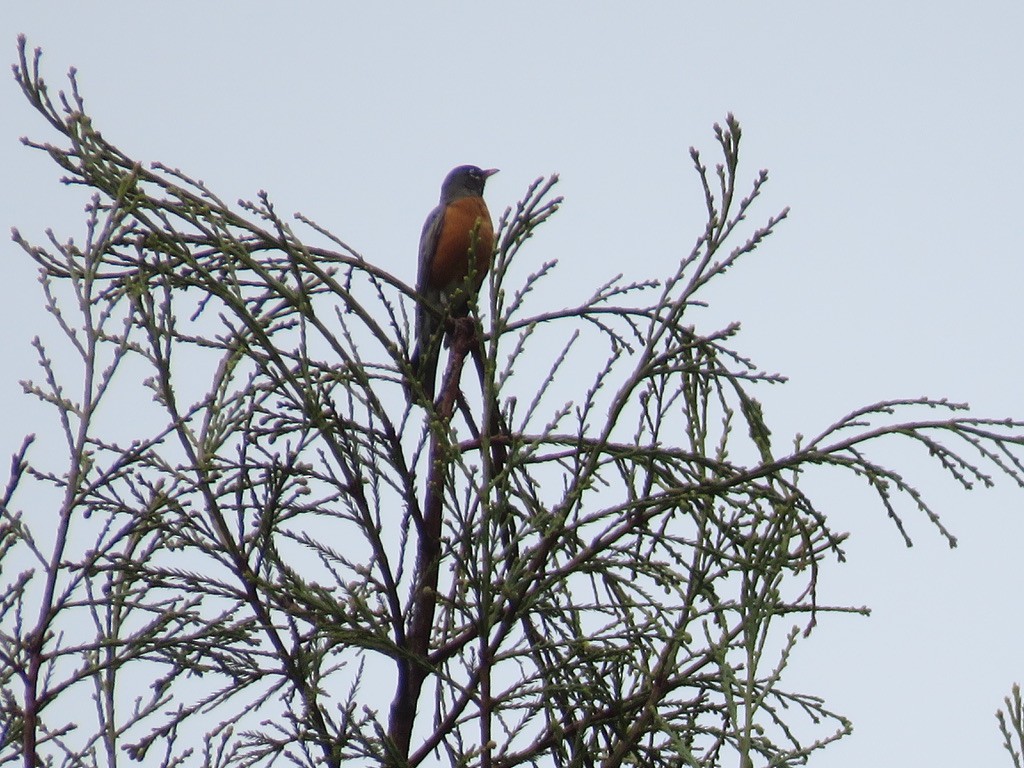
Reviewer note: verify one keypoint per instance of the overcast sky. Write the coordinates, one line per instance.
(892, 130)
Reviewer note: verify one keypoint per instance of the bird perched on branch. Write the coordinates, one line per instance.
(459, 224)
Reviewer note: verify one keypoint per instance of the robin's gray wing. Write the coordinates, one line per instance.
(428, 245)
(424, 359)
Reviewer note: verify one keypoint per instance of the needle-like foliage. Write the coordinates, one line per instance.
(241, 545)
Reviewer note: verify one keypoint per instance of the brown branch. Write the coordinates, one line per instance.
(414, 667)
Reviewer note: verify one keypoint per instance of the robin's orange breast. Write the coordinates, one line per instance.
(464, 219)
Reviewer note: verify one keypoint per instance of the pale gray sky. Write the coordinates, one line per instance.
(892, 129)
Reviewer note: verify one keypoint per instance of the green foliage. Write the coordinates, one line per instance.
(1011, 725)
(283, 559)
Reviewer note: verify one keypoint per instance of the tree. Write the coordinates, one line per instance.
(1011, 725)
(279, 555)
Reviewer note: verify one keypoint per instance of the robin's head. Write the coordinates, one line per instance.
(465, 181)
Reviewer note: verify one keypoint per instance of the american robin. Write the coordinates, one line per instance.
(459, 223)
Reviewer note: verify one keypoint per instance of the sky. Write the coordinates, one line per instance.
(891, 130)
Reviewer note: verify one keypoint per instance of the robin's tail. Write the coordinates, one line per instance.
(424, 367)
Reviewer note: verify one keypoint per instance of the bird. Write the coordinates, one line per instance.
(459, 223)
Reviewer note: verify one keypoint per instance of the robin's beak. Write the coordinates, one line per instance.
(489, 172)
